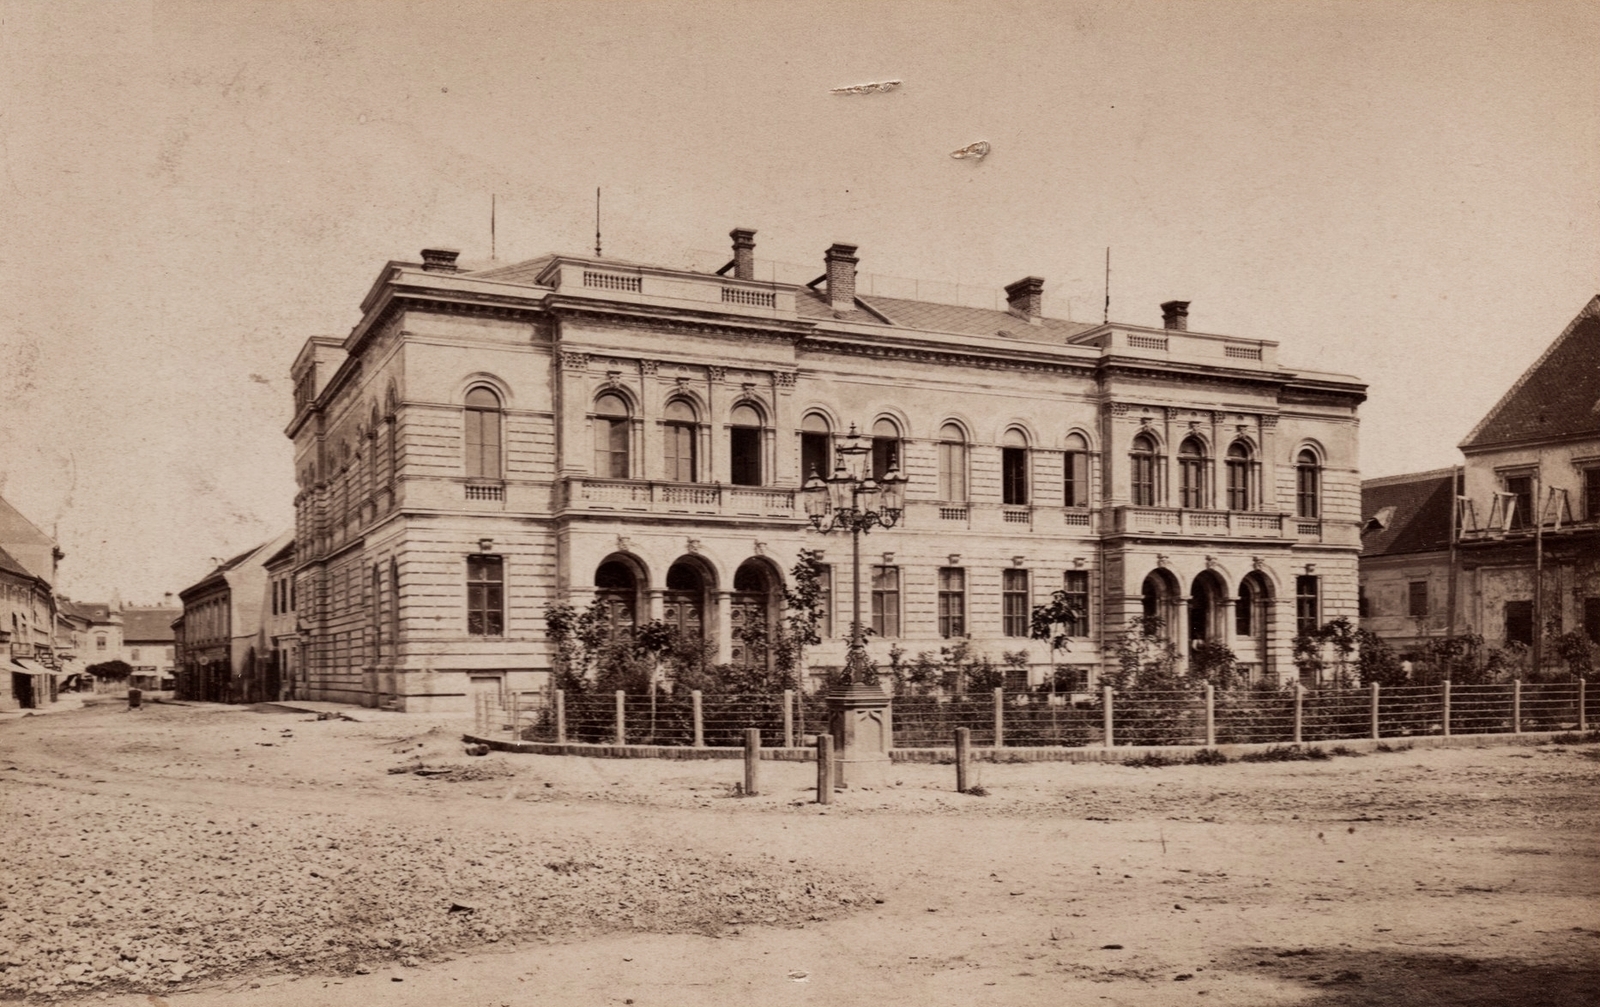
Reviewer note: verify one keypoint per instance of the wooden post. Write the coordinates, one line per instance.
(1446, 708)
(622, 717)
(699, 721)
(1583, 714)
(1516, 706)
(963, 745)
(788, 718)
(824, 768)
(561, 716)
(516, 714)
(1211, 716)
(1299, 710)
(999, 717)
(752, 760)
(1109, 741)
(1376, 732)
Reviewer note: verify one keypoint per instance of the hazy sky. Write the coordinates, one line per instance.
(1406, 192)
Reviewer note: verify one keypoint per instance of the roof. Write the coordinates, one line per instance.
(284, 555)
(18, 530)
(93, 611)
(517, 272)
(143, 625)
(1406, 514)
(1558, 397)
(10, 565)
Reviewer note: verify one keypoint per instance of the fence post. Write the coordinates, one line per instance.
(788, 718)
(999, 717)
(1375, 729)
(699, 721)
(1211, 716)
(1583, 714)
(561, 716)
(1299, 710)
(515, 714)
(1110, 742)
(824, 768)
(963, 745)
(622, 718)
(1446, 685)
(1516, 706)
(752, 759)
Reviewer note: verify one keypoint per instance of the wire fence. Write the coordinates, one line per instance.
(1192, 716)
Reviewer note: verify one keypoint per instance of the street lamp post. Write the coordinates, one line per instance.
(852, 500)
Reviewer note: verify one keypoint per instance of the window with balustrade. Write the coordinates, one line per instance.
(816, 447)
(744, 446)
(952, 463)
(1014, 468)
(1075, 472)
(1241, 494)
(1308, 484)
(680, 437)
(1192, 465)
(1142, 459)
(482, 418)
(885, 447)
(611, 422)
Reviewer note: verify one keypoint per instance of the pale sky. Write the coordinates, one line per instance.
(1406, 192)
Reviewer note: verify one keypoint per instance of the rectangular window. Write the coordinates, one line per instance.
(611, 448)
(377, 610)
(1192, 483)
(886, 600)
(952, 471)
(483, 444)
(1521, 489)
(1014, 475)
(170, 652)
(814, 456)
(1144, 481)
(1417, 599)
(1519, 622)
(678, 452)
(885, 456)
(1591, 619)
(745, 444)
(952, 601)
(485, 596)
(1238, 485)
(134, 654)
(1591, 494)
(1307, 610)
(1077, 479)
(825, 601)
(1076, 586)
(1014, 602)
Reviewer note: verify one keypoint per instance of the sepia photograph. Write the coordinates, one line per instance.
(711, 503)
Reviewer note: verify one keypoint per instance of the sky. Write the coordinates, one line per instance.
(1405, 192)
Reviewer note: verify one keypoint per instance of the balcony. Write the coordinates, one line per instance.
(1180, 523)
(638, 496)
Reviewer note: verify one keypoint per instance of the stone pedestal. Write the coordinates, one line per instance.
(859, 720)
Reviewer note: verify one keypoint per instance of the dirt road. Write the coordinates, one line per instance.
(193, 855)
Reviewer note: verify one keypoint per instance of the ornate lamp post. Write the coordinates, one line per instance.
(852, 500)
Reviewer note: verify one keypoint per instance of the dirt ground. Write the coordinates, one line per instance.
(189, 855)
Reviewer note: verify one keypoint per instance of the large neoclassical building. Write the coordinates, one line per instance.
(488, 441)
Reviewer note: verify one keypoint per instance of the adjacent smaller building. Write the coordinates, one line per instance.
(1407, 585)
(148, 646)
(28, 559)
(223, 659)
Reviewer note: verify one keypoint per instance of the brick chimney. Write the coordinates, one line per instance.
(1026, 299)
(841, 260)
(1175, 315)
(744, 253)
(440, 260)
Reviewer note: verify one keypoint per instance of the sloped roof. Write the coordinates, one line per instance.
(1418, 513)
(10, 565)
(517, 272)
(148, 625)
(1558, 397)
(93, 611)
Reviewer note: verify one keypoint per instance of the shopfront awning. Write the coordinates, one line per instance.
(28, 666)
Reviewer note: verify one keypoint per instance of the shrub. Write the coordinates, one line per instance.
(1208, 757)
(1574, 738)
(1286, 753)
(1150, 760)
(1346, 750)
(111, 671)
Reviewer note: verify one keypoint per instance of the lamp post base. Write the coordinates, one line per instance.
(860, 720)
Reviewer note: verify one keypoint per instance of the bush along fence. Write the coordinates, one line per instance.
(1199, 716)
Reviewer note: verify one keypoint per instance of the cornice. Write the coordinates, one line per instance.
(819, 342)
(615, 315)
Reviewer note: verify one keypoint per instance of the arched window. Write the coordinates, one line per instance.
(483, 434)
(815, 447)
(391, 434)
(744, 446)
(885, 448)
(1191, 474)
(679, 431)
(1308, 484)
(611, 437)
(952, 463)
(1014, 468)
(1075, 466)
(1240, 496)
(1143, 458)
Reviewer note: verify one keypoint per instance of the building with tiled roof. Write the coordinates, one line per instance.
(576, 429)
(1405, 553)
(28, 661)
(148, 645)
(217, 632)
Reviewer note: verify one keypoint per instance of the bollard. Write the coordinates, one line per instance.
(824, 769)
(1516, 706)
(1446, 708)
(699, 721)
(134, 697)
(963, 745)
(561, 716)
(1299, 709)
(1375, 730)
(622, 718)
(1109, 741)
(999, 717)
(1583, 714)
(788, 718)
(1211, 716)
(752, 760)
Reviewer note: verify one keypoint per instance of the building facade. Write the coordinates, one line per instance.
(218, 639)
(279, 631)
(1525, 510)
(148, 646)
(488, 442)
(28, 559)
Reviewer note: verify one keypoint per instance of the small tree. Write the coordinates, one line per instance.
(802, 618)
(1145, 659)
(1052, 622)
(111, 671)
(1214, 663)
(1376, 661)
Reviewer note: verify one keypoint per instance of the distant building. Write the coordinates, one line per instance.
(279, 630)
(1527, 499)
(28, 559)
(222, 660)
(148, 646)
(488, 442)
